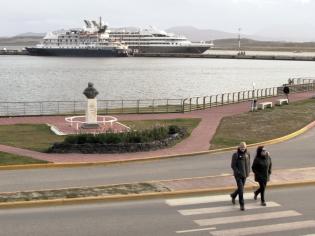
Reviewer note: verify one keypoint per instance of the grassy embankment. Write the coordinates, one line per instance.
(263, 125)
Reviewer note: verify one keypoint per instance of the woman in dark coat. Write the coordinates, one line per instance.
(262, 169)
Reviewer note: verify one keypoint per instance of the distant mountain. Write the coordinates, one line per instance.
(194, 34)
(303, 32)
(31, 34)
(270, 33)
(277, 32)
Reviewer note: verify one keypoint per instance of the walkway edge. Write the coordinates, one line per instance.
(211, 191)
(144, 159)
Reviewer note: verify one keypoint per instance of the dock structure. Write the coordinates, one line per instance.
(190, 55)
(13, 52)
(226, 56)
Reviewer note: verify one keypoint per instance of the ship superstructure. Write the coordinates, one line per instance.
(90, 41)
(152, 40)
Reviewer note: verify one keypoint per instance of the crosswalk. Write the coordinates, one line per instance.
(212, 221)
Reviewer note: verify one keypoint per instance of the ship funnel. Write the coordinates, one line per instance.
(95, 24)
(87, 23)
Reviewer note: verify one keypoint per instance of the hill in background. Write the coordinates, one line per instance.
(254, 45)
(276, 32)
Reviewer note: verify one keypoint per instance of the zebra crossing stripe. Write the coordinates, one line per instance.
(265, 228)
(200, 211)
(194, 230)
(233, 219)
(205, 199)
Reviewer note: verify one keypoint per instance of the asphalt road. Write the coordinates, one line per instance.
(294, 153)
(289, 211)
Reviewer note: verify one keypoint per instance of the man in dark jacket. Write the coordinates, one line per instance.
(241, 167)
(286, 91)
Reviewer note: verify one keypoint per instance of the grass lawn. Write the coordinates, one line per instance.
(262, 125)
(12, 159)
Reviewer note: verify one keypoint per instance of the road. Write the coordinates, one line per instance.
(294, 153)
(289, 211)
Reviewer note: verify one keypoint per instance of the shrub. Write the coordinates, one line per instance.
(73, 139)
(173, 129)
(157, 132)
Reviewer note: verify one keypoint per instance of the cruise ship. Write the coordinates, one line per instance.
(90, 41)
(152, 40)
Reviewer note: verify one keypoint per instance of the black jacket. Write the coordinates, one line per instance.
(241, 163)
(262, 166)
(286, 89)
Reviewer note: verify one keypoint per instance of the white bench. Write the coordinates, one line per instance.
(279, 102)
(313, 96)
(264, 105)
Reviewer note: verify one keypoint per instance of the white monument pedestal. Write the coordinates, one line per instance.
(91, 115)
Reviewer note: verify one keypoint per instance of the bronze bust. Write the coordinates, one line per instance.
(90, 92)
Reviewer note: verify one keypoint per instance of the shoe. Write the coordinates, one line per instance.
(233, 199)
(255, 196)
(263, 203)
(242, 208)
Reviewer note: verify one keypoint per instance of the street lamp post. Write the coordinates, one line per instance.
(254, 102)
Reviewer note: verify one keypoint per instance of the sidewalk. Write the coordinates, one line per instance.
(209, 185)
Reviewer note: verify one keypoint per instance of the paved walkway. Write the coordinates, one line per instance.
(198, 141)
(227, 182)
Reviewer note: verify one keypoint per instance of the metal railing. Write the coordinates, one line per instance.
(205, 102)
(146, 106)
(104, 107)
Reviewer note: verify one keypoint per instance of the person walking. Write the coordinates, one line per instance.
(241, 167)
(286, 91)
(262, 166)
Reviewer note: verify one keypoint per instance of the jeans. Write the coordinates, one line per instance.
(240, 189)
(261, 190)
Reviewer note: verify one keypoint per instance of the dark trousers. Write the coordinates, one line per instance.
(240, 189)
(261, 190)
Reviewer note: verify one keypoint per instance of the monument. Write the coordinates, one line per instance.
(91, 108)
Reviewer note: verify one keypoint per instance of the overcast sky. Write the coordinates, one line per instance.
(39, 16)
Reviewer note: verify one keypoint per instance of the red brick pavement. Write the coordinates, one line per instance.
(198, 141)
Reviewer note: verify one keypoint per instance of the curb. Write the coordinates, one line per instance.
(145, 159)
(211, 191)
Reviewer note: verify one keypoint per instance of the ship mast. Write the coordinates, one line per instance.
(239, 41)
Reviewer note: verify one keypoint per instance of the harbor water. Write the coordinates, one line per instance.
(30, 78)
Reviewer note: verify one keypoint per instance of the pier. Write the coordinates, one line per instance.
(227, 56)
(13, 52)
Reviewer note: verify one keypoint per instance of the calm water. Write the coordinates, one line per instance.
(26, 78)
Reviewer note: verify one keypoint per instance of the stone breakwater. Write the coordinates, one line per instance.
(97, 148)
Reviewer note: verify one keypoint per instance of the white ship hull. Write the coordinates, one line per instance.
(170, 49)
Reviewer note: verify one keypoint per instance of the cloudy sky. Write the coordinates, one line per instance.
(39, 16)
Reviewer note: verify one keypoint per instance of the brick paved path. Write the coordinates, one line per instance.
(198, 141)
